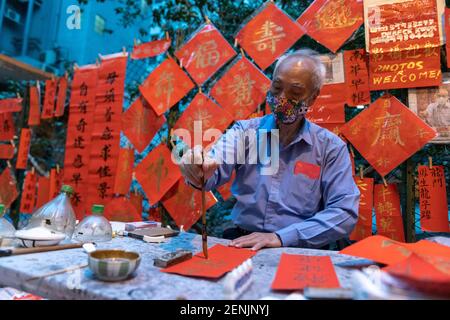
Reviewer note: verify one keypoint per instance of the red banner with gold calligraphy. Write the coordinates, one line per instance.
(124, 173)
(7, 127)
(79, 132)
(447, 34)
(6, 151)
(388, 212)
(34, 116)
(43, 194)
(433, 199)
(136, 200)
(48, 108)
(107, 124)
(28, 200)
(56, 180)
(357, 77)
(8, 188)
(329, 105)
(363, 228)
(24, 148)
(150, 49)
(62, 94)
(11, 105)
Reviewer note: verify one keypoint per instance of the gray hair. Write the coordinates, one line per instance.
(319, 70)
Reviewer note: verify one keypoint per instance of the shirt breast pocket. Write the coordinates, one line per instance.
(305, 189)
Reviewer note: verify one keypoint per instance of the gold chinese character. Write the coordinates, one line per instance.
(335, 14)
(388, 129)
(164, 86)
(207, 55)
(268, 36)
(241, 90)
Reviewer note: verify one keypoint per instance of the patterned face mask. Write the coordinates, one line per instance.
(286, 110)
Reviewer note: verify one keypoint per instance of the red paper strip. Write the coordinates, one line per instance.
(363, 228)
(150, 49)
(221, 259)
(27, 202)
(356, 77)
(62, 94)
(43, 195)
(79, 131)
(329, 105)
(11, 105)
(8, 188)
(6, 151)
(296, 272)
(34, 116)
(121, 209)
(7, 127)
(136, 200)
(124, 174)
(56, 180)
(388, 212)
(48, 108)
(24, 148)
(107, 124)
(433, 199)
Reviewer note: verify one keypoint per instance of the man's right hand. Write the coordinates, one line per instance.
(196, 165)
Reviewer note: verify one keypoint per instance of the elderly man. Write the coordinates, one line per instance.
(311, 199)
(437, 114)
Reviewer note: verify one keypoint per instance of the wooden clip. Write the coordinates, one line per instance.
(235, 42)
(167, 35)
(18, 95)
(242, 52)
(9, 164)
(12, 143)
(57, 169)
(33, 171)
(351, 151)
(200, 90)
(133, 176)
(124, 51)
(97, 62)
(66, 75)
(207, 19)
(75, 66)
(361, 172)
(171, 140)
(384, 182)
(430, 162)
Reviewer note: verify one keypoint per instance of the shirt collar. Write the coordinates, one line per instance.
(268, 123)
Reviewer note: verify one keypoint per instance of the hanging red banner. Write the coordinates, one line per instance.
(157, 173)
(27, 202)
(184, 204)
(205, 53)
(387, 133)
(62, 94)
(241, 89)
(56, 180)
(269, 34)
(388, 212)
(447, 34)
(107, 124)
(433, 199)
(356, 77)
(8, 188)
(6, 151)
(329, 105)
(124, 174)
(24, 148)
(165, 86)
(7, 127)
(140, 124)
(11, 105)
(121, 209)
(34, 116)
(363, 228)
(43, 194)
(79, 131)
(136, 200)
(150, 49)
(332, 22)
(48, 107)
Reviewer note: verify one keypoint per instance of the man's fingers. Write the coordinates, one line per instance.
(209, 167)
(198, 155)
(245, 241)
(259, 245)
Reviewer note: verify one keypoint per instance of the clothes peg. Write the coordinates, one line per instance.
(430, 162)
(384, 182)
(361, 172)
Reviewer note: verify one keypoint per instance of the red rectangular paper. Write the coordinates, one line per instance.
(150, 49)
(356, 77)
(43, 195)
(24, 147)
(221, 259)
(124, 174)
(388, 212)
(34, 116)
(11, 105)
(48, 108)
(296, 272)
(28, 193)
(62, 94)
(363, 227)
(56, 177)
(6, 151)
(7, 127)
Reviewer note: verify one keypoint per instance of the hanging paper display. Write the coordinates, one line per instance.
(433, 199)
(157, 173)
(106, 133)
(43, 194)
(165, 86)
(34, 116)
(201, 115)
(387, 133)
(62, 94)
(241, 89)
(447, 34)
(28, 200)
(268, 34)
(11, 105)
(79, 131)
(205, 53)
(8, 188)
(150, 49)
(184, 204)
(48, 108)
(363, 228)
(124, 173)
(329, 105)
(136, 200)
(140, 124)
(121, 209)
(356, 77)
(7, 127)
(24, 148)
(56, 180)
(388, 213)
(332, 22)
(6, 151)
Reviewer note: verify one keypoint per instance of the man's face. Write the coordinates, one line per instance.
(442, 97)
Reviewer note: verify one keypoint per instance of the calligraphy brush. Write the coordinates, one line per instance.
(204, 234)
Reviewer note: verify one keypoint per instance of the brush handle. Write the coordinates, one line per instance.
(14, 252)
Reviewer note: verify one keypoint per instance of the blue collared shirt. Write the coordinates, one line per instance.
(305, 210)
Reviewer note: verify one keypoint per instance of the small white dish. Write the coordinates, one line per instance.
(39, 237)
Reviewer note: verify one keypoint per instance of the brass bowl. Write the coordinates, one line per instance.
(113, 265)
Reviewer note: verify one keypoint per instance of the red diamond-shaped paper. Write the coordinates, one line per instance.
(184, 204)
(205, 53)
(140, 124)
(332, 22)
(242, 89)
(211, 116)
(122, 209)
(269, 34)
(387, 133)
(165, 86)
(157, 173)
(8, 189)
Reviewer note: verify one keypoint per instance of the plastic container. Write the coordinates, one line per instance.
(94, 228)
(7, 230)
(60, 213)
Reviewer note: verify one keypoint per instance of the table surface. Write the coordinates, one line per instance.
(148, 283)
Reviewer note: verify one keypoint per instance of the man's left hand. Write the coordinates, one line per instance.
(257, 240)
